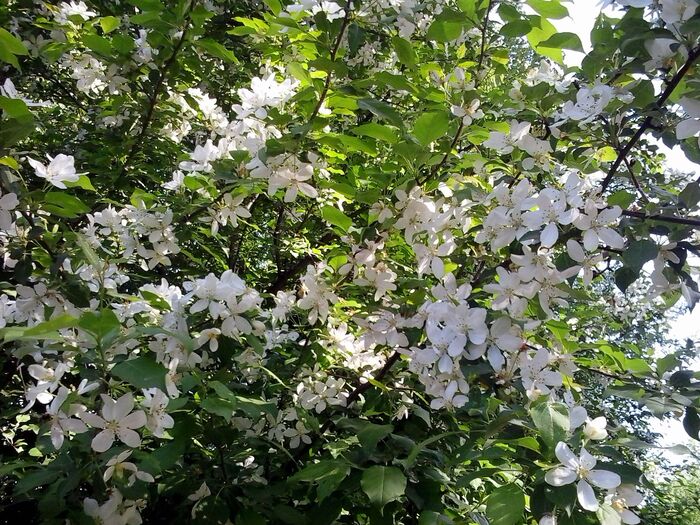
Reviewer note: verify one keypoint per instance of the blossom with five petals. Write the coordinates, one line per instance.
(581, 468)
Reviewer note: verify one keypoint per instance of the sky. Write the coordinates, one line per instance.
(582, 15)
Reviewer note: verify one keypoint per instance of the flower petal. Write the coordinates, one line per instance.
(103, 440)
(564, 454)
(604, 479)
(129, 437)
(93, 420)
(549, 235)
(586, 460)
(135, 420)
(629, 517)
(123, 406)
(586, 496)
(560, 476)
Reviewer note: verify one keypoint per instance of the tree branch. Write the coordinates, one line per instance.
(460, 128)
(153, 100)
(646, 124)
(334, 52)
(662, 218)
(482, 52)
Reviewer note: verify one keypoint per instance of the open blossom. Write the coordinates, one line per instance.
(663, 52)
(510, 292)
(331, 9)
(118, 465)
(297, 435)
(381, 278)
(586, 262)
(67, 10)
(9, 90)
(317, 295)
(621, 499)
(61, 422)
(590, 102)
(61, 169)
(116, 510)
(595, 225)
(581, 468)
(293, 178)
(157, 419)
(468, 113)
(117, 421)
(202, 157)
(506, 143)
(264, 92)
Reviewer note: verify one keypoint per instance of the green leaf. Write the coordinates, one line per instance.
(274, 5)
(469, 7)
(82, 182)
(691, 423)
(382, 110)
(448, 26)
(383, 484)
(64, 205)
(217, 50)
(142, 372)
(44, 476)
(371, 434)
(516, 28)
(98, 44)
(15, 129)
(327, 473)
(100, 324)
(542, 29)
(404, 50)
(219, 407)
(431, 126)
(10, 162)
(336, 217)
(638, 253)
(377, 131)
(690, 195)
(45, 330)
(356, 37)
(109, 23)
(14, 107)
(253, 408)
(505, 505)
(549, 8)
(11, 44)
(563, 41)
(552, 420)
(624, 277)
(621, 198)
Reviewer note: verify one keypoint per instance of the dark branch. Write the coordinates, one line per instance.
(646, 124)
(662, 218)
(334, 52)
(153, 99)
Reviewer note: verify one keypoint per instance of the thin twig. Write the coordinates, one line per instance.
(482, 52)
(662, 218)
(354, 396)
(153, 100)
(334, 51)
(276, 235)
(646, 124)
(635, 181)
(460, 128)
